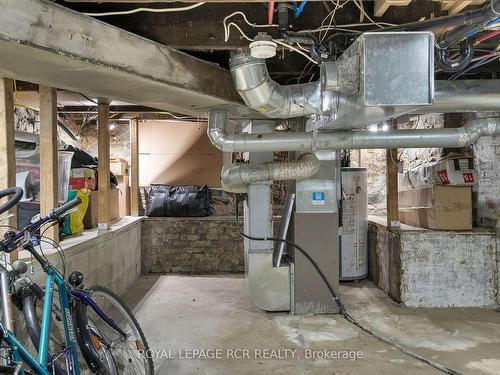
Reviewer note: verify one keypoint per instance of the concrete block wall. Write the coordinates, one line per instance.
(424, 268)
(192, 245)
(112, 259)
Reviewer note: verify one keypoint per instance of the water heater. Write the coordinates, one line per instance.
(354, 232)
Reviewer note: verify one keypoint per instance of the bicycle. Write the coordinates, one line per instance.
(74, 303)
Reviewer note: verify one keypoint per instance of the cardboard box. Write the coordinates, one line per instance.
(91, 219)
(453, 171)
(119, 167)
(82, 178)
(437, 207)
(124, 198)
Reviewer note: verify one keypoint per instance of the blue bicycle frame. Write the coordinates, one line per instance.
(19, 352)
(40, 365)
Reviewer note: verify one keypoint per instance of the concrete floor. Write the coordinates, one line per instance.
(179, 313)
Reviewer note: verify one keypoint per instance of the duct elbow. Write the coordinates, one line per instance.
(216, 130)
(261, 93)
(474, 129)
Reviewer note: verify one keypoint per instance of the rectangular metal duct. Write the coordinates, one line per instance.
(45, 43)
(381, 75)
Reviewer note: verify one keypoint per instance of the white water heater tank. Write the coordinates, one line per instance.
(354, 232)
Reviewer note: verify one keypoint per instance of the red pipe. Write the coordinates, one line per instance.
(270, 12)
(484, 38)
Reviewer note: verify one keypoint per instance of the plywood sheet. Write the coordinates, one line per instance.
(177, 153)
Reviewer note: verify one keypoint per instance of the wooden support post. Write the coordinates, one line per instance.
(362, 158)
(7, 151)
(134, 167)
(103, 164)
(48, 156)
(392, 187)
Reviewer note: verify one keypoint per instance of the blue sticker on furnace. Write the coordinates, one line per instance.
(318, 197)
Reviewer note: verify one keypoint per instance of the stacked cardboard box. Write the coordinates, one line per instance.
(82, 178)
(437, 207)
(458, 171)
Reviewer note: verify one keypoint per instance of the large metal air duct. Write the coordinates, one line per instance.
(273, 100)
(368, 105)
(237, 178)
(312, 141)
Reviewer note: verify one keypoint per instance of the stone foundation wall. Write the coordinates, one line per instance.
(192, 245)
(425, 268)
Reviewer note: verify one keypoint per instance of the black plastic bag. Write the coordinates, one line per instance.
(181, 200)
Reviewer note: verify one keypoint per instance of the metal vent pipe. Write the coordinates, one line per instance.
(236, 179)
(261, 93)
(273, 100)
(311, 141)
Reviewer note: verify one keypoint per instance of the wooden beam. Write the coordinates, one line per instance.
(171, 1)
(7, 151)
(382, 5)
(134, 167)
(103, 164)
(456, 6)
(392, 187)
(48, 156)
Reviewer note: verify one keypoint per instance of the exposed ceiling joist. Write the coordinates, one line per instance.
(171, 1)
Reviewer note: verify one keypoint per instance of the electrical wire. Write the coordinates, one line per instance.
(363, 12)
(342, 310)
(331, 15)
(292, 48)
(90, 100)
(473, 66)
(277, 41)
(486, 37)
(345, 27)
(226, 27)
(151, 10)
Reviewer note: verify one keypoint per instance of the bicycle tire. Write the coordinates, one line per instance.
(99, 359)
(122, 316)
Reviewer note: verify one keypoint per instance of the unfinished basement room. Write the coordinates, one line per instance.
(247, 187)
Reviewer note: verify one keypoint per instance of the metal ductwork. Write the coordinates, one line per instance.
(237, 178)
(316, 141)
(356, 90)
(264, 95)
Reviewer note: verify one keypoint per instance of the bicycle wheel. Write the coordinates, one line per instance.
(32, 310)
(129, 352)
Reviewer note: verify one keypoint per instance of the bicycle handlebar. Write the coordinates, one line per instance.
(18, 194)
(59, 211)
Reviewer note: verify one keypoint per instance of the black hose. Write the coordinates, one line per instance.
(449, 65)
(342, 310)
(471, 17)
